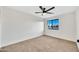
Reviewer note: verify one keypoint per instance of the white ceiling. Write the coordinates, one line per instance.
(57, 11)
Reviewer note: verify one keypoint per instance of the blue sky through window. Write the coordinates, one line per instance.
(53, 22)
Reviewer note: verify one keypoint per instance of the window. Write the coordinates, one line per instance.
(53, 24)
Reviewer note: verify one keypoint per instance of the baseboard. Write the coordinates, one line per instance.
(61, 37)
(4, 45)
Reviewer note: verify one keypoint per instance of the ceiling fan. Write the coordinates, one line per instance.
(44, 10)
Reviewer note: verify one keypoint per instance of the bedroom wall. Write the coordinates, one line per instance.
(18, 26)
(0, 35)
(77, 22)
(0, 27)
(67, 27)
(77, 26)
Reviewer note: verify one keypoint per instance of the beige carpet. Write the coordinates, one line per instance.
(42, 44)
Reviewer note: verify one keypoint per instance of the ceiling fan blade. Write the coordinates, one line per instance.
(41, 7)
(38, 12)
(49, 13)
(50, 9)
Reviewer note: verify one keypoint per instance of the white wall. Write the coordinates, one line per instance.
(0, 35)
(77, 22)
(18, 26)
(0, 26)
(77, 25)
(67, 27)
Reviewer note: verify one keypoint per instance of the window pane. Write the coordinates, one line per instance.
(53, 24)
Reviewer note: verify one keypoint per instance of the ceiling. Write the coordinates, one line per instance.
(57, 11)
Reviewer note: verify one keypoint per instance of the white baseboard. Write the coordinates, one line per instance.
(61, 37)
(34, 36)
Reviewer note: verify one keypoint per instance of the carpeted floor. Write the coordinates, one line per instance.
(42, 44)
